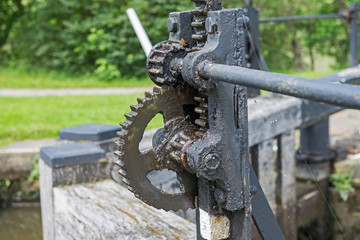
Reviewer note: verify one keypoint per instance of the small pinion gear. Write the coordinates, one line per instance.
(165, 61)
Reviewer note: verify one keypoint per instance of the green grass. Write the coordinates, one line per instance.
(307, 74)
(21, 77)
(42, 117)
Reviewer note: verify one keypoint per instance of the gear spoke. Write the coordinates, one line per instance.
(147, 160)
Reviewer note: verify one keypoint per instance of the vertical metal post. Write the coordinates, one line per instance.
(354, 48)
(255, 59)
(248, 3)
(217, 222)
(314, 143)
(253, 41)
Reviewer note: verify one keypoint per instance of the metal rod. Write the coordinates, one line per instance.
(300, 18)
(139, 30)
(262, 214)
(333, 93)
(354, 48)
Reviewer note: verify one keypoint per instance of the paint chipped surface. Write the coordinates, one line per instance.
(214, 227)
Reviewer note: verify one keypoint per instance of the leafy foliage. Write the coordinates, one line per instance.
(10, 11)
(90, 36)
(343, 183)
(96, 36)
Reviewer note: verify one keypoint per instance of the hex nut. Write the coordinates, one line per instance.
(211, 161)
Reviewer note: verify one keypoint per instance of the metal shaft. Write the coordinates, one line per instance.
(333, 93)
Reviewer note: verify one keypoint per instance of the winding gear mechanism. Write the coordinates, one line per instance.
(185, 113)
(207, 153)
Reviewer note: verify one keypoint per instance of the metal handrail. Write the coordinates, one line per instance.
(338, 94)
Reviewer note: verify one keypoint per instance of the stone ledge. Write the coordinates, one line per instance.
(89, 132)
(71, 154)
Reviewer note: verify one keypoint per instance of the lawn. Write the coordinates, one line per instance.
(42, 117)
(22, 77)
(308, 74)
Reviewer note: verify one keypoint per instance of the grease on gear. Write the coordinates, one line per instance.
(164, 63)
(174, 104)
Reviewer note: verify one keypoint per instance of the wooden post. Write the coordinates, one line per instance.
(267, 175)
(65, 165)
(287, 184)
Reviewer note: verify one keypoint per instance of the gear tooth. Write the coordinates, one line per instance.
(166, 88)
(120, 163)
(157, 90)
(141, 100)
(125, 124)
(176, 145)
(148, 95)
(131, 189)
(160, 80)
(120, 142)
(122, 133)
(156, 71)
(122, 172)
(134, 108)
(184, 136)
(130, 116)
(119, 153)
(126, 181)
(175, 157)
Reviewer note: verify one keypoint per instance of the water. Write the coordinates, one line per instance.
(20, 223)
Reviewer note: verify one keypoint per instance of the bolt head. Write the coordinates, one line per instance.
(246, 21)
(211, 26)
(172, 25)
(211, 161)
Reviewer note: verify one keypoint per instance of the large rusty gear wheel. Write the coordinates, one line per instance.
(135, 165)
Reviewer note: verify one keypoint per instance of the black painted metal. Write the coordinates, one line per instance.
(248, 3)
(333, 93)
(262, 214)
(314, 142)
(254, 56)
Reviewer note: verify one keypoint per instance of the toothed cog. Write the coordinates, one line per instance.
(174, 105)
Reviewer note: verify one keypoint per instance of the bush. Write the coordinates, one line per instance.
(90, 35)
(96, 36)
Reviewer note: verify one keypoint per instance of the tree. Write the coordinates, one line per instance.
(11, 11)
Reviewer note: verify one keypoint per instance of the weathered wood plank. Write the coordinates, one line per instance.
(47, 200)
(286, 213)
(267, 175)
(107, 210)
(271, 116)
(288, 165)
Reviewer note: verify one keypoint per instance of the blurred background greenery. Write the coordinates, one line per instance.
(91, 43)
(95, 36)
